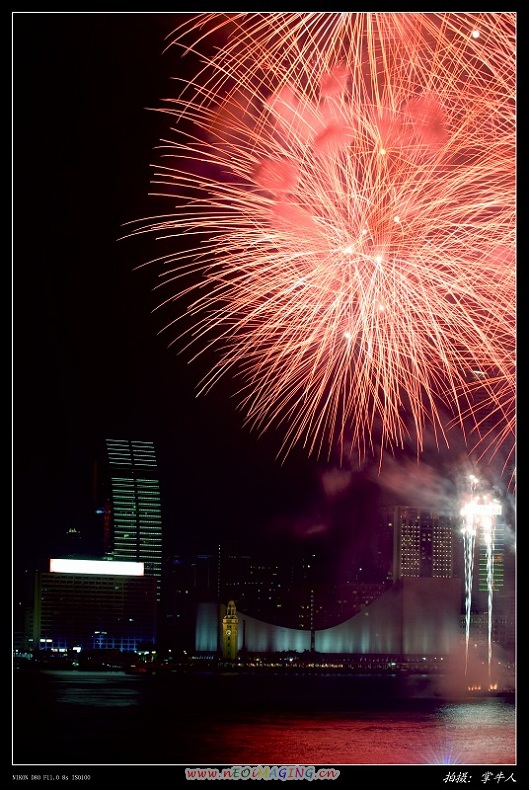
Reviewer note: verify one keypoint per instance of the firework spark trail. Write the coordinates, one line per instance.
(479, 522)
(350, 177)
(494, 412)
(408, 46)
(469, 542)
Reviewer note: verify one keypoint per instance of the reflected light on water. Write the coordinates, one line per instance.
(89, 690)
(373, 738)
(111, 718)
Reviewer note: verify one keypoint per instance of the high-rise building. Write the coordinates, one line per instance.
(423, 544)
(491, 560)
(129, 503)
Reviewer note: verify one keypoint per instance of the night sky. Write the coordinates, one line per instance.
(89, 358)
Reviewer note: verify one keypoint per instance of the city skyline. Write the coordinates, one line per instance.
(89, 361)
(423, 211)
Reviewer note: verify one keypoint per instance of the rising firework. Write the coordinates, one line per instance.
(479, 514)
(350, 180)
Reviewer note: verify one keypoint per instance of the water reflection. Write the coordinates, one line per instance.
(374, 738)
(90, 718)
(95, 689)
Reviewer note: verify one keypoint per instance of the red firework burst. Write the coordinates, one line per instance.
(351, 177)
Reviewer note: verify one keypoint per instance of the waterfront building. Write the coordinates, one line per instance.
(230, 633)
(85, 605)
(414, 617)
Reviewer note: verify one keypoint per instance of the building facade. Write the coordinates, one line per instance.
(423, 544)
(128, 501)
(230, 633)
(86, 605)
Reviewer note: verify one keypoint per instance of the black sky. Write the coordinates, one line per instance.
(88, 357)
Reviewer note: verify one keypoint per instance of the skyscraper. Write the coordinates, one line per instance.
(423, 544)
(129, 503)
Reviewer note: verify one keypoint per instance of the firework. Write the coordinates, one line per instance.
(349, 179)
(473, 48)
(479, 515)
(492, 414)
